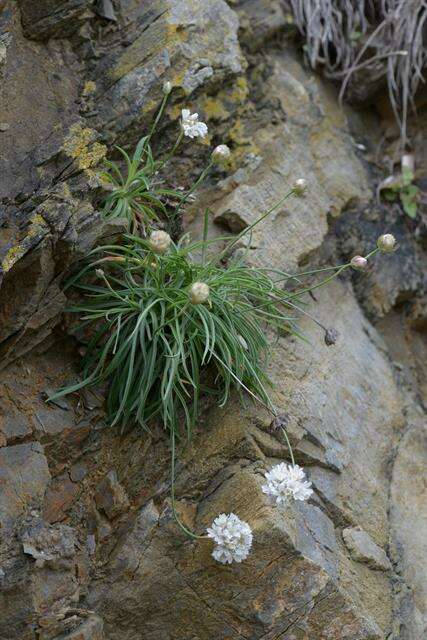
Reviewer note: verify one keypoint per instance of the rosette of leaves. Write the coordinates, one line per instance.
(158, 350)
(402, 188)
(136, 192)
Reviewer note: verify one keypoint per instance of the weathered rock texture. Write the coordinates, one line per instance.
(88, 546)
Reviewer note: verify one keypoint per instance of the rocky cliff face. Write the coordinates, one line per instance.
(88, 547)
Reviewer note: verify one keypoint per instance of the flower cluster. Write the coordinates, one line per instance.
(191, 125)
(199, 292)
(286, 481)
(159, 241)
(232, 537)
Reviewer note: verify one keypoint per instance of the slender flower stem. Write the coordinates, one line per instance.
(287, 302)
(296, 276)
(231, 244)
(372, 253)
(157, 120)
(299, 292)
(331, 277)
(205, 234)
(169, 155)
(175, 515)
(193, 188)
(289, 446)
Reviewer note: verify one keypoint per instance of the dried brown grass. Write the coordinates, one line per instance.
(383, 37)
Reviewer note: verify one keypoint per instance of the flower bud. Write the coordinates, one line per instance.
(359, 263)
(299, 186)
(167, 88)
(331, 336)
(99, 273)
(199, 292)
(386, 243)
(221, 154)
(159, 241)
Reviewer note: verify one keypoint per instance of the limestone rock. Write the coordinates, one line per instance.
(40, 86)
(40, 584)
(309, 145)
(408, 525)
(49, 544)
(363, 549)
(191, 44)
(261, 21)
(21, 490)
(45, 19)
(74, 82)
(59, 497)
(90, 628)
(111, 497)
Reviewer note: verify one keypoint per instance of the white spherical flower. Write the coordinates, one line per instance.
(199, 293)
(359, 263)
(99, 273)
(286, 481)
(232, 537)
(299, 186)
(159, 241)
(221, 153)
(191, 126)
(386, 243)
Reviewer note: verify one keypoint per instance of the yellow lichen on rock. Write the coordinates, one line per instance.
(160, 35)
(37, 225)
(11, 257)
(214, 109)
(240, 90)
(89, 87)
(80, 145)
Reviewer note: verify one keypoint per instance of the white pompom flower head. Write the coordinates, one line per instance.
(159, 241)
(191, 126)
(386, 243)
(199, 293)
(232, 537)
(287, 481)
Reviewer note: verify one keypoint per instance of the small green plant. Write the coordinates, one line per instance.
(169, 328)
(402, 188)
(168, 324)
(137, 193)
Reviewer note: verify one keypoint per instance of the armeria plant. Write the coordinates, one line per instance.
(170, 324)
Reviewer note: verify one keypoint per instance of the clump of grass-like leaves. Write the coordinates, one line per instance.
(137, 190)
(136, 193)
(161, 339)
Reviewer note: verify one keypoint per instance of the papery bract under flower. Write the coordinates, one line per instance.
(232, 537)
(286, 481)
